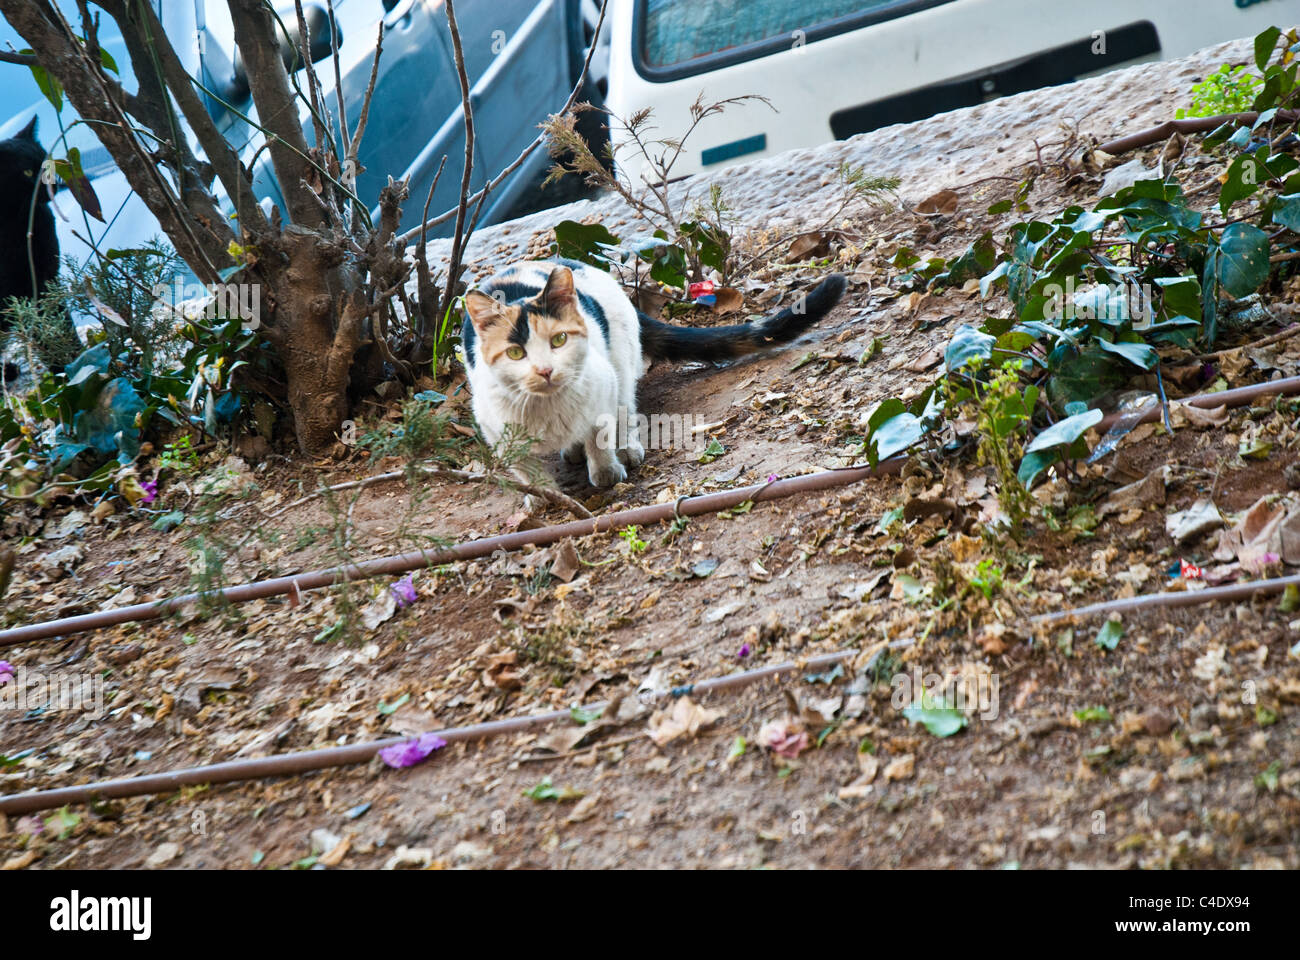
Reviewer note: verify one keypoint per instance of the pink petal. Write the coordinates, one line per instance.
(413, 751)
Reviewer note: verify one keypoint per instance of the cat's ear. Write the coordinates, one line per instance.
(28, 132)
(484, 312)
(559, 290)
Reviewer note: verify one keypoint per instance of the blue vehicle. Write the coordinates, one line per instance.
(522, 57)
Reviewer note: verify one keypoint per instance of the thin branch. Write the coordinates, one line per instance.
(548, 494)
(458, 238)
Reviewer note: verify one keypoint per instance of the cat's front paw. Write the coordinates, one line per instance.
(633, 455)
(606, 475)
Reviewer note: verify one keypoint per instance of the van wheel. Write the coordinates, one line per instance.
(593, 125)
(582, 17)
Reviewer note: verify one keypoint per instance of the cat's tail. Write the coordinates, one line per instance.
(663, 341)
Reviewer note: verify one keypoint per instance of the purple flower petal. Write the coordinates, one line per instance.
(413, 751)
(404, 591)
(6, 672)
(150, 488)
(745, 650)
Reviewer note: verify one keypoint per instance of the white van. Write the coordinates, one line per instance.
(835, 68)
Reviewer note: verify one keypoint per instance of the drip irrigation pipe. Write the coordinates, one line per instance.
(308, 761)
(1181, 598)
(485, 547)
(1238, 397)
(1153, 135)
(687, 507)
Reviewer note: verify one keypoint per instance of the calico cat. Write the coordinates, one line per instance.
(555, 349)
(20, 169)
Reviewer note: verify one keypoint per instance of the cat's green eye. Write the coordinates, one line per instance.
(558, 339)
(27, 173)
(515, 352)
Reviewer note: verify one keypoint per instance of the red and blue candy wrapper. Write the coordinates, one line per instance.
(703, 293)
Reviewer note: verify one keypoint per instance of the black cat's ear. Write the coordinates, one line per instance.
(559, 290)
(484, 311)
(28, 132)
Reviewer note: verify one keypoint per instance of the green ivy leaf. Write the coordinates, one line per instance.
(1265, 43)
(1034, 464)
(1246, 174)
(1286, 211)
(1065, 432)
(1181, 295)
(967, 344)
(891, 429)
(976, 261)
(584, 717)
(1139, 354)
(937, 717)
(712, 451)
(1242, 262)
(545, 791)
(1093, 715)
(1109, 635)
(584, 242)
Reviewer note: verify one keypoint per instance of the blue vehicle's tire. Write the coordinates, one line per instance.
(582, 17)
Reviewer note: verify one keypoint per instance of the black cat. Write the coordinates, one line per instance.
(20, 169)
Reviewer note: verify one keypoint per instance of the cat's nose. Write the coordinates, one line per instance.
(544, 372)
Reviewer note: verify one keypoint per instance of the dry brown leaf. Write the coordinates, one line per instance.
(926, 360)
(20, 862)
(335, 856)
(945, 202)
(728, 300)
(1149, 491)
(501, 672)
(685, 718)
(1183, 414)
(806, 246)
(585, 810)
(903, 768)
(565, 566)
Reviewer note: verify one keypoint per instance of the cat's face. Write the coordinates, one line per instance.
(535, 346)
(20, 163)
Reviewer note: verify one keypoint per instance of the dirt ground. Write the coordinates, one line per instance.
(1178, 748)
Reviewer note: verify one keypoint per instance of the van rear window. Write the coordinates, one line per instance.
(677, 31)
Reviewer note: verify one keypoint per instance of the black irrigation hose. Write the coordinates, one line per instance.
(1238, 397)
(485, 547)
(686, 507)
(1174, 598)
(1153, 135)
(307, 761)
